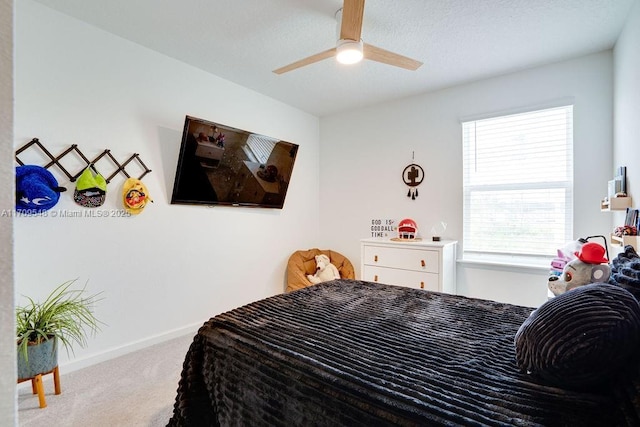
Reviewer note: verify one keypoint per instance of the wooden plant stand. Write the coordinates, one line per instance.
(38, 388)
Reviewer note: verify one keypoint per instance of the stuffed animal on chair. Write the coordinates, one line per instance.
(303, 262)
(590, 266)
(325, 271)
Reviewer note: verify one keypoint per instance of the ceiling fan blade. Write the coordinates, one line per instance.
(380, 55)
(352, 14)
(307, 61)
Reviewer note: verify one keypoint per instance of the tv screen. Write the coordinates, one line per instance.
(221, 165)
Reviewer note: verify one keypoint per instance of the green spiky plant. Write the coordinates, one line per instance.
(65, 315)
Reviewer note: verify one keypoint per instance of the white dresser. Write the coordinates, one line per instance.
(416, 264)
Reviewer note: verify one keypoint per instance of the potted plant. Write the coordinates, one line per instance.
(65, 316)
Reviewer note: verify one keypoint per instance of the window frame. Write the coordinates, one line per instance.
(505, 257)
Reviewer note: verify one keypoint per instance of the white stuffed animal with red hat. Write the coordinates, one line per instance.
(590, 266)
(325, 271)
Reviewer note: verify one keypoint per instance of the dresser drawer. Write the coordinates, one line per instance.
(402, 258)
(421, 264)
(408, 278)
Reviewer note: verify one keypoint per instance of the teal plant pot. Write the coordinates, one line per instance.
(42, 358)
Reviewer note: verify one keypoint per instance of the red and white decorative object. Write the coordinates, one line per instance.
(407, 229)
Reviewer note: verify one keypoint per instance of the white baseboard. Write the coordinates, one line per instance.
(75, 364)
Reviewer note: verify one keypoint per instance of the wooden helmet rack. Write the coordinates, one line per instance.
(73, 149)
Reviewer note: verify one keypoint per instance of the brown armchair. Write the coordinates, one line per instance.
(302, 263)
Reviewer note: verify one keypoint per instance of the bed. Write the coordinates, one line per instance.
(354, 353)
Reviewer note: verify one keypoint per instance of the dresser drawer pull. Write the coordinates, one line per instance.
(375, 278)
(375, 258)
(424, 264)
(421, 285)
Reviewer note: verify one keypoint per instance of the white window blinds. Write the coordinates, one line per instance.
(261, 146)
(518, 183)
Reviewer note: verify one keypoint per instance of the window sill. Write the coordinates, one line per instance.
(519, 264)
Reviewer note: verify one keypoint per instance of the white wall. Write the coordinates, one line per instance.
(626, 149)
(172, 267)
(364, 152)
(7, 200)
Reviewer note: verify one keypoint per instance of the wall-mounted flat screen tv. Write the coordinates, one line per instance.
(221, 165)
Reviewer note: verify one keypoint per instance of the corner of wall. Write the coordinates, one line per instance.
(7, 341)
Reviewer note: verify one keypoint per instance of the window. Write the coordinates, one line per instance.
(259, 147)
(518, 183)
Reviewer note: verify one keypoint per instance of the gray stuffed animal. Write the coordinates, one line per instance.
(590, 266)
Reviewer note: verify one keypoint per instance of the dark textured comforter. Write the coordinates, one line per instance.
(357, 353)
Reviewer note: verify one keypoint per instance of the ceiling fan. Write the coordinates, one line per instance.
(350, 47)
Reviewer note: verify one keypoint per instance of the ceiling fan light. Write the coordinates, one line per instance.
(349, 51)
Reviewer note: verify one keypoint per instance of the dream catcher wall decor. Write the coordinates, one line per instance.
(412, 176)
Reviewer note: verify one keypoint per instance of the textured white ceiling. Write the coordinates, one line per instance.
(458, 40)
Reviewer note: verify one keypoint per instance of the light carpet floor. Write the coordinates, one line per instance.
(137, 389)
